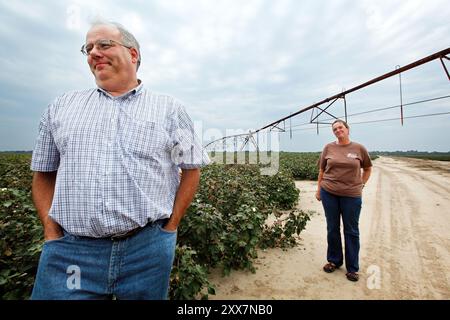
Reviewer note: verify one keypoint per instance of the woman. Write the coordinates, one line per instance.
(340, 186)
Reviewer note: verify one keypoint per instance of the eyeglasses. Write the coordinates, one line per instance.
(102, 44)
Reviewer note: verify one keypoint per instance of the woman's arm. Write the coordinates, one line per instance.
(366, 175)
(319, 179)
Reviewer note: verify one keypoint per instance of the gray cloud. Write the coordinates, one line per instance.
(238, 64)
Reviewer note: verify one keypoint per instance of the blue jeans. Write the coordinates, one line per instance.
(350, 209)
(137, 267)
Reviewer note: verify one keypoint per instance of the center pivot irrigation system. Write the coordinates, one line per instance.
(317, 109)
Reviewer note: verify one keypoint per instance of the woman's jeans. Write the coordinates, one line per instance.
(137, 267)
(349, 208)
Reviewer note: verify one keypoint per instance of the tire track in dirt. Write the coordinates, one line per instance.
(410, 263)
(423, 174)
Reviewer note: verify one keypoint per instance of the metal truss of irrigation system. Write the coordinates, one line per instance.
(317, 110)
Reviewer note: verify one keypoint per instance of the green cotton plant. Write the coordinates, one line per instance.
(230, 241)
(302, 166)
(15, 171)
(238, 196)
(283, 231)
(188, 279)
(21, 235)
(225, 223)
(21, 239)
(281, 189)
(244, 230)
(202, 228)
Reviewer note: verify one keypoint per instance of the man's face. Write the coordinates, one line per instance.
(114, 63)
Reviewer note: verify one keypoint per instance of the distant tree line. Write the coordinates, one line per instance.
(442, 156)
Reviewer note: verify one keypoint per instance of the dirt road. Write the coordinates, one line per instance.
(405, 243)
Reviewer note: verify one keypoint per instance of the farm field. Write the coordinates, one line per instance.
(223, 228)
(440, 156)
(405, 243)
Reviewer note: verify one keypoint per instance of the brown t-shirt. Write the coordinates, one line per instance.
(342, 168)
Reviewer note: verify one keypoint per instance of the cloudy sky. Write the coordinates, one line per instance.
(239, 65)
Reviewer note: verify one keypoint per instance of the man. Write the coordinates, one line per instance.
(106, 180)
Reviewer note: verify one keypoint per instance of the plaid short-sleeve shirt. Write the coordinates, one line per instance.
(117, 158)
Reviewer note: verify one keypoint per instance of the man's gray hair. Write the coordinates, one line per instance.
(127, 37)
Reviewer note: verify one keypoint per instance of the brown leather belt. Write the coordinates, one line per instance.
(126, 234)
(130, 233)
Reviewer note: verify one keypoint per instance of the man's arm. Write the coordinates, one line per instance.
(186, 191)
(43, 188)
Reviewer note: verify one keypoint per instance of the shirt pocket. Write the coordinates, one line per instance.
(142, 139)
